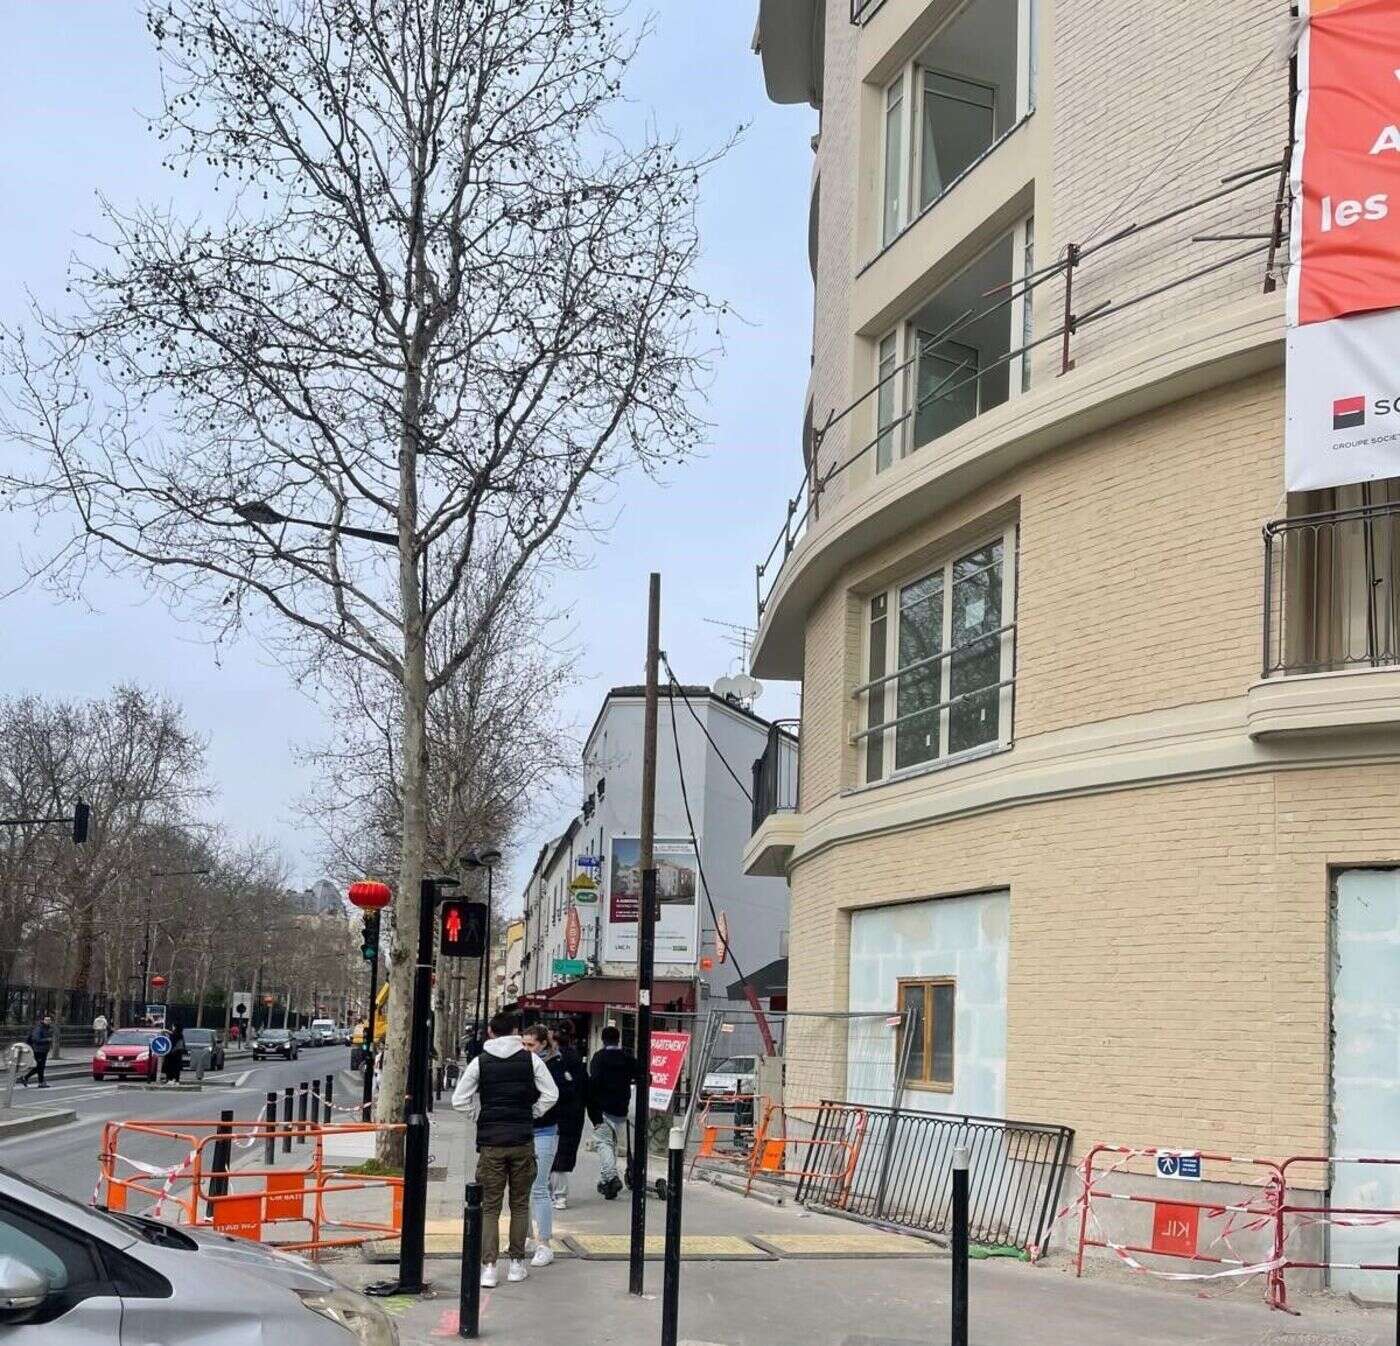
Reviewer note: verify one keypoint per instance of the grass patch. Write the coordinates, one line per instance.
(373, 1168)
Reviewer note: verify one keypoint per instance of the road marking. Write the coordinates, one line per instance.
(694, 1247)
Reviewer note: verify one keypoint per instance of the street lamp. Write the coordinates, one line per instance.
(487, 858)
(261, 513)
(371, 897)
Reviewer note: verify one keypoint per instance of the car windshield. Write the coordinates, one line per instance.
(733, 1065)
(131, 1037)
(201, 1037)
(273, 1035)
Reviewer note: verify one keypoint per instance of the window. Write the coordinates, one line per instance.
(927, 1005)
(886, 400)
(958, 126)
(894, 159)
(940, 662)
(1024, 301)
(63, 1254)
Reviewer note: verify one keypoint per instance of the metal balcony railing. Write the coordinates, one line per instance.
(1332, 591)
(775, 773)
(861, 10)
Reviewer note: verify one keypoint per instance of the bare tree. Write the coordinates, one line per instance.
(448, 302)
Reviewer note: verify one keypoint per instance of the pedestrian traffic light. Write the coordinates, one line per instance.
(463, 928)
(369, 938)
(81, 813)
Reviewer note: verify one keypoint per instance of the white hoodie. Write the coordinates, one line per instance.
(467, 1095)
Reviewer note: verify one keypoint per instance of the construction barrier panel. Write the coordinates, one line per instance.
(252, 1202)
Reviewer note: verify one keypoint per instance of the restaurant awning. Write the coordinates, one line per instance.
(593, 995)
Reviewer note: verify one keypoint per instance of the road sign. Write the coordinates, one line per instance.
(242, 1000)
(570, 967)
(155, 1015)
(463, 928)
(590, 862)
(1174, 1228)
(573, 933)
(722, 936)
(161, 1045)
(1182, 1166)
(667, 1060)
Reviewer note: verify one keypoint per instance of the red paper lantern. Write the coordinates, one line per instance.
(370, 895)
(157, 982)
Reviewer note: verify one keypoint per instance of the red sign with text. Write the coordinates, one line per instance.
(1174, 1229)
(573, 933)
(667, 1061)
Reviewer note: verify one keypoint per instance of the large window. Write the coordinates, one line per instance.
(928, 1006)
(941, 662)
(894, 159)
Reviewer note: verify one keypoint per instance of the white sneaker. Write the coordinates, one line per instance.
(530, 1245)
(544, 1255)
(517, 1272)
(561, 1203)
(488, 1276)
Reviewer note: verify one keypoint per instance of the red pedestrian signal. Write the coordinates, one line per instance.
(463, 928)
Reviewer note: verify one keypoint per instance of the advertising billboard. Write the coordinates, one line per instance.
(678, 888)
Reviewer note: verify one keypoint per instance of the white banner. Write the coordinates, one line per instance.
(677, 888)
(1343, 401)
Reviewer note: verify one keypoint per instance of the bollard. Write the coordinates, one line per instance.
(218, 1185)
(315, 1102)
(671, 1290)
(469, 1307)
(303, 1094)
(270, 1141)
(287, 1120)
(958, 1246)
(328, 1095)
(15, 1054)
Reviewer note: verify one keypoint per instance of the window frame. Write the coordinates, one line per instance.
(926, 1082)
(894, 197)
(1008, 534)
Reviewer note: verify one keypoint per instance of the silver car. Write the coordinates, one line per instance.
(71, 1275)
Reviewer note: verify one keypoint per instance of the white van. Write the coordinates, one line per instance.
(324, 1032)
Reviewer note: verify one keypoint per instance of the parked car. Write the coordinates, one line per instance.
(127, 1054)
(71, 1273)
(731, 1076)
(204, 1042)
(305, 1038)
(275, 1042)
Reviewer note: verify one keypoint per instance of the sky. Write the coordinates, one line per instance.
(76, 78)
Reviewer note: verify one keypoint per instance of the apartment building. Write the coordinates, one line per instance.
(1100, 739)
(583, 895)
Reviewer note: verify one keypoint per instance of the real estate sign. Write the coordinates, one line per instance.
(1343, 397)
(678, 888)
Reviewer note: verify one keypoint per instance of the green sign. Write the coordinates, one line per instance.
(570, 967)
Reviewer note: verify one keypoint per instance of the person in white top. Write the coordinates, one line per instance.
(99, 1030)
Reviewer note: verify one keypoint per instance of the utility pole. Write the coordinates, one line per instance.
(646, 944)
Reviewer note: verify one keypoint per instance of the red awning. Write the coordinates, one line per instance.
(593, 995)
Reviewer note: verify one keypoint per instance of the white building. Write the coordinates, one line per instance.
(582, 898)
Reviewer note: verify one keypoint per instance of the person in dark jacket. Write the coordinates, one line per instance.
(174, 1061)
(40, 1042)
(573, 1108)
(611, 1076)
(507, 1088)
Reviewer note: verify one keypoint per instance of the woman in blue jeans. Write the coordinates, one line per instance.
(536, 1039)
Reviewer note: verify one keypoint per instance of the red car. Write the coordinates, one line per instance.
(126, 1054)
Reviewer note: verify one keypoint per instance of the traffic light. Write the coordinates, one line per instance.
(369, 939)
(81, 813)
(463, 928)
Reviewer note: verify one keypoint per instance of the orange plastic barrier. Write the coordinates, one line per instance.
(832, 1158)
(247, 1201)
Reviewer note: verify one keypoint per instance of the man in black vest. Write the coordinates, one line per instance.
(505, 1088)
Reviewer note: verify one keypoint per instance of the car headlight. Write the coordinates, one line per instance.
(100, 1055)
(143, 1056)
(361, 1317)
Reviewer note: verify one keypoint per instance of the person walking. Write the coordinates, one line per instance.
(611, 1076)
(174, 1062)
(537, 1040)
(573, 1108)
(506, 1089)
(99, 1029)
(40, 1042)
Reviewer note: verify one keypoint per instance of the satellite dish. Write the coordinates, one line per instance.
(741, 688)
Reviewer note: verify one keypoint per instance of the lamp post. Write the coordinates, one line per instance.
(371, 897)
(487, 858)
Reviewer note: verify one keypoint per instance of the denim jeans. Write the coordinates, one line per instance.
(608, 1133)
(541, 1202)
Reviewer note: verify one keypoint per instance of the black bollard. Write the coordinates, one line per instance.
(327, 1095)
(218, 1185)
(303, 1094)
(315, 1102)
(671, 1290)
(469, 1309)
(958, 1246)
(270, 1140)
(287, 1120)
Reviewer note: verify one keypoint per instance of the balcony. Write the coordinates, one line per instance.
(776, 822)
(1331, 622)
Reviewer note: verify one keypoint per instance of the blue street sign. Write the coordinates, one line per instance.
(161, 1045)
(590, 862)
(1183, 1166)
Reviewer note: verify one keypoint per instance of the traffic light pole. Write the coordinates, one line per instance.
(371, 934)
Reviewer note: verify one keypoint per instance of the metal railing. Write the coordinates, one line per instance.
(775, 773)
(1332, 591)
(905, 1173)
(862, 10)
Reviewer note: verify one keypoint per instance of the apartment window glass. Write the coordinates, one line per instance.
(940, 660)
(886, 400)
(928, 1029)
(959, 125)
(948, 386)
(1026, 301)
(894, 158)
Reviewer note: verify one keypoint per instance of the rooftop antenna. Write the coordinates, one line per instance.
(739, 638)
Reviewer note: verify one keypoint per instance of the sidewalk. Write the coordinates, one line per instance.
(756, 1275)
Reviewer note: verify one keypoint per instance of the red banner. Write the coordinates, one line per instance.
(667, 1059)
(1346, 244)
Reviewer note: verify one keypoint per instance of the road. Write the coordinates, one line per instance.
(66, 1157)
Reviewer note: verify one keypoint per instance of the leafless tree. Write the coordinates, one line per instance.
(451, 299)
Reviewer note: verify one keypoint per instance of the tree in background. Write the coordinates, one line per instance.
(451, 298)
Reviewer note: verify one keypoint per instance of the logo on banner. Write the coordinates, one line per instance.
(573, 933)
(1348, 413)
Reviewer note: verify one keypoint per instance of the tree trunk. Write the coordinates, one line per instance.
(87, 920)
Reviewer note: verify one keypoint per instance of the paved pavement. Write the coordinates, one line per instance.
(756, 1275)
(65, 1157)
